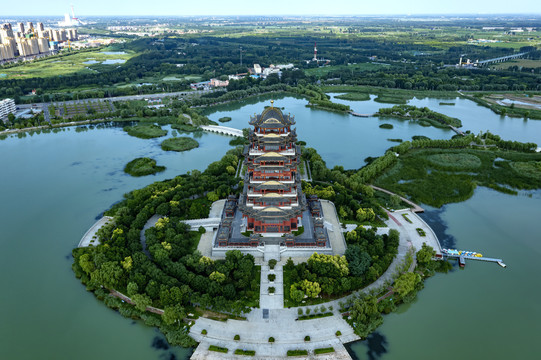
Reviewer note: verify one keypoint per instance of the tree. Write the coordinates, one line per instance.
(333, 266)
(365, 315)
(86, 263)
(230, 170)
(312, 289)
(212, 196)
(296, 294)
(172, 314)
(425, 255)
(365, 214)
(141, 301)
(217, 276)
(358, 260)
(406, 283)
(394, 201)
(132, 288)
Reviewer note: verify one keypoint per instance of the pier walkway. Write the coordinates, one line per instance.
(222, 130)
(414, 207)
(462, 259)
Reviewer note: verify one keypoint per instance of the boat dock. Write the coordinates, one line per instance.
(463, 257)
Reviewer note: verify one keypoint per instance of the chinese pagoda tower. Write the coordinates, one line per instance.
(272, 201)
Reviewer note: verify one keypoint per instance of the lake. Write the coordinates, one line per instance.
(55, 185)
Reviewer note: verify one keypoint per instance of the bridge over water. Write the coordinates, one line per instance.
(222, 130)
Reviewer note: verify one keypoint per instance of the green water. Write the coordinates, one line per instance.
(483, 311)
(53, 187)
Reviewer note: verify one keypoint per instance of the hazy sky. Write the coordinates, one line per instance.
(273, 7)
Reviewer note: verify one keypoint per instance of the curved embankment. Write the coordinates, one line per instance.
(281, 323)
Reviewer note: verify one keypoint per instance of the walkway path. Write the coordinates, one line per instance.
(409, 230)
(271, 320)
(88, 238)
(266, 300)
(336, 236)
(281, 324)
(150, 223)
(416, 208)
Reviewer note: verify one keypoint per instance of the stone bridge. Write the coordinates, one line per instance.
(222, 130)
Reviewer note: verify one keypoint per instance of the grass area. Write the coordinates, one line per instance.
(297, 352)
(405, 216)
(527, 63)
(354, 96)
(238, 141)
(315, 316)
(215, 315)
(408, 112)
(326, 350)
(463, 161)
(218, 349)
(64, 64)
(179, 144)
(145, 131)
(245, 352)
(530, 169)
(299, 231)
(490, 100)
(324, 70)
(185, 128)
(436, 183)
(393, 98)
(142, 167)
(421, 232)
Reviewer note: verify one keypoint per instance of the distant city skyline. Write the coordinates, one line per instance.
(277, 7)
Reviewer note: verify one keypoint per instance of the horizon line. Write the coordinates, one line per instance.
(299, 15)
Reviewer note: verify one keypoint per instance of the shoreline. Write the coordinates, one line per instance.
(282, 322)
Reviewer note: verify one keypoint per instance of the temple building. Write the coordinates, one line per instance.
(272, 207)
(272, 201)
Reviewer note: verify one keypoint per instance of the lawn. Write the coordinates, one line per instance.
(64, 65)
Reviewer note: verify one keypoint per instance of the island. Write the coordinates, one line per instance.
(274, 263)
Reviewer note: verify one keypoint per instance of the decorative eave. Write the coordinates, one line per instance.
(272, 185)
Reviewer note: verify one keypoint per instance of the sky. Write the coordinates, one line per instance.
(273, 7)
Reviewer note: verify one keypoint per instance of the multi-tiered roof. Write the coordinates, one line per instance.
(272, 201)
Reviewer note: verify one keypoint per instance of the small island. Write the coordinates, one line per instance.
(424, 116)
(142, 167)
(145, 131)
(224, 119)
(182, 143)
